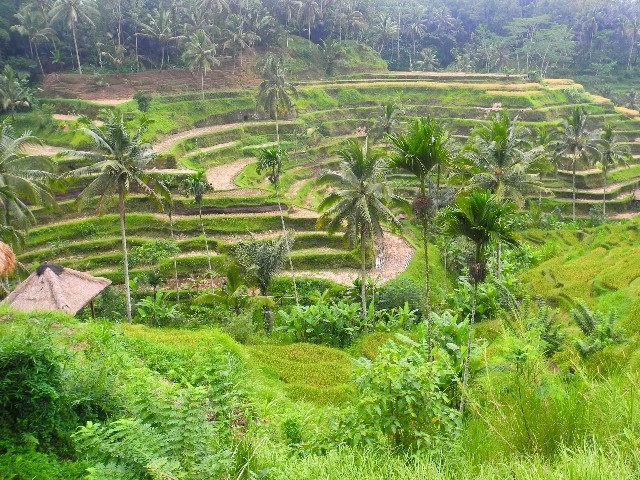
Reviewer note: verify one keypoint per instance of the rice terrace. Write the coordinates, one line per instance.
(319, 239)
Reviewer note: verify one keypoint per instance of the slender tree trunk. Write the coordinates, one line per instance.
(125, 257)
(38, 58)
(175, 259)
(363, 275)
(309, 24)
(137, 56)
(604, 195)
(206, 245)
(202, 83)
(465, 374)
(162, 60)
(498, 260)
(277, 127)
(573, 186)
(75, 42)
(288, 247)
(427, 305)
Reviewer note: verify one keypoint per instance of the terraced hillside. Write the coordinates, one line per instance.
(223, 133)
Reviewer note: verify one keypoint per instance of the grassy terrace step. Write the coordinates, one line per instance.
(596, 194)
(593, 178)
(621, 205)
(211, 205)
(157, 226)
(67, 250)
(238, 133)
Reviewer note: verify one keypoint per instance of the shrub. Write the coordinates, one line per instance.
(330, 324)
(143, 100)
(30, 385)
(400, 400)
(151, 253)
(400, 292)
(598, 328)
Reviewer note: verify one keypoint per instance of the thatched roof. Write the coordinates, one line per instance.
(7, 259)
(52, 287)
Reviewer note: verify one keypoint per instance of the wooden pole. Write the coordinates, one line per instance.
(93, 310)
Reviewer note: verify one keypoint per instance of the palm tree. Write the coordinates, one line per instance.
(276, 94)
(200, 54)
(576, 141)
(118, 164)
(332, 53)
(70, 13)
(387, 118)
(160, 27)
(34, 25)
(428, 61)
(426, 145)
(169, 184)
(632, 98)
(310, 10)
(197, 186)
(24, 180)
(360, 199)
(485, 220)
(239, 36)
(14, 91)
(503, 160)
(612, 152)
(270, 161)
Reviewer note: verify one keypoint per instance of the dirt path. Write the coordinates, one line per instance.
(398, 254)
(167, 142)
(223, 177)
(45, 150)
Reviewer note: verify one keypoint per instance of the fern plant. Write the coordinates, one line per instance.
(599, 329)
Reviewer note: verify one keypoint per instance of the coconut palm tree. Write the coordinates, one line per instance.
(197, 186)
(270, 160)
(575, 140)
(387, 118)
(485, 220)
(425, 146)
(427, 60)
(503, 159)
(240, 36)
(200, 54)
(360, 199)
(33, 25)
(310, 11)
(275, 95)
(71, 13)
(612, 152)
(14, 91)
(118, 164)
(24, 180)
(159, 26)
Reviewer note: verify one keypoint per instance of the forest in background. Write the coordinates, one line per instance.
(552, 37)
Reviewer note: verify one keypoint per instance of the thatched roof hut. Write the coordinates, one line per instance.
(52, 287)
(7, 260)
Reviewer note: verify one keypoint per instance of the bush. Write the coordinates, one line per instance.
(30, 385)
(330, 324)
(598, 328)
(405, 290)
(143, 100)
(400, 401)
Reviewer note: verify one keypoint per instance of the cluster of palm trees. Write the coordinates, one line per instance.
(495, 172)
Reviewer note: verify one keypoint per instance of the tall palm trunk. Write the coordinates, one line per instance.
(175, 259)
(363, 275)
(288, 247)
(75, 43)
(38, 58)
(573, 187)
(425, 246)
(277, 127)
(206, 244)
(202, 83)
(465, 374)
(604, 193)
(125, 257)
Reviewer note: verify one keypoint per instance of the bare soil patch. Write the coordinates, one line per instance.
(223, 177)
(44, 150)
(397, 252)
